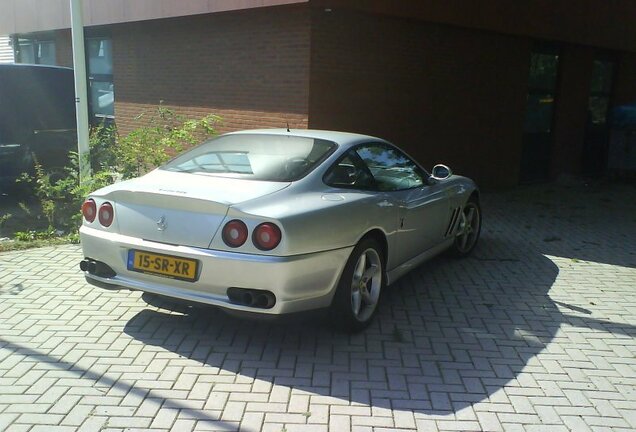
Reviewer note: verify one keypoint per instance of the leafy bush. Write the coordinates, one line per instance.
(165, 135)
(31, 235)
(60, 194)
(112, 157)
(3, 220)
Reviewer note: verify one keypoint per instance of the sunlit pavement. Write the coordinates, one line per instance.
(535, 331)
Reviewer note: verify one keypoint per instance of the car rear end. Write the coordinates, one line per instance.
(179, 234)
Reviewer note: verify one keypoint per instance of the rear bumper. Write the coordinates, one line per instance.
(300, 282)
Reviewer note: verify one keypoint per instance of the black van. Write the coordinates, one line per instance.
(37, 119)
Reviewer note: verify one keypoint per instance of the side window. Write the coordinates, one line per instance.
(349, 172)
(392, 170)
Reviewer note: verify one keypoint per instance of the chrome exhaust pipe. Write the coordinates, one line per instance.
(251, 297)
(88, 265)
(83, 265)
(247, 298)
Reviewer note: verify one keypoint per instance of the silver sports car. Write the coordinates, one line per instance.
(273, 222)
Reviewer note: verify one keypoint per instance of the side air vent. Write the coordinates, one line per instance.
(452, 222)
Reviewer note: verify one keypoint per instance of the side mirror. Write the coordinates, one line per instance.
(441, 172)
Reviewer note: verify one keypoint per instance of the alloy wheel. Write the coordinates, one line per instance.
(366, 284)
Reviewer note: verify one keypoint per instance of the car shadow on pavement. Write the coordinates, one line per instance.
(449, 334)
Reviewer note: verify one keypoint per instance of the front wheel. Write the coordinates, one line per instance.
(356, 300)
(468, 229)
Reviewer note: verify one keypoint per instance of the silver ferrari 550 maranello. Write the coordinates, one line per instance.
(274, 222)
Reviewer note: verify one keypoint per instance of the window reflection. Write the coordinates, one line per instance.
(100, 70)
(391, 169)
(542, 81)
(33, 51)
(100, 57)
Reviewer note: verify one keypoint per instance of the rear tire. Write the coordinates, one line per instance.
(355, 302)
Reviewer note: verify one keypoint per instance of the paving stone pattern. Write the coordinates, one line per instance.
(535, 332)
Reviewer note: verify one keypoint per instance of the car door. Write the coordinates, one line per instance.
(423, 208)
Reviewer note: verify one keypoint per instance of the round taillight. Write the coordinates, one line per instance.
(234, 233)
(106, 214)
(89, 210)
(266, 236)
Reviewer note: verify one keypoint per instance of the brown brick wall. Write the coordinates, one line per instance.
(127, 117)
(250, 67)
(63, 48)
(444, 94)
(600, 23)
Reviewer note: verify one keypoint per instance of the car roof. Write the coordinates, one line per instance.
(340, 138)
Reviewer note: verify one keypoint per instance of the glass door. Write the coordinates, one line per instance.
(100, 78)
(539, 117)
(596, 128)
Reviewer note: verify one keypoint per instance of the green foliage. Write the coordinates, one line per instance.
(101, 141)
(112, 157)
(24, 208)
(60, 194)
(14, 245)
(4, 218)
(31, 235)
(165, 135)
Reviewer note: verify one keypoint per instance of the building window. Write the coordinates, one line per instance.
(596, 145)
(100, 77)
(35, 51)
(541, 92)
(539, 117)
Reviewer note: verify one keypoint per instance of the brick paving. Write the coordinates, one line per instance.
(536, 331)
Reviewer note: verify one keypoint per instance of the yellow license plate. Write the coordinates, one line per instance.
(163, 265)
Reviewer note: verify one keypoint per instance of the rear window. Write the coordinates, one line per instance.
(256, 157)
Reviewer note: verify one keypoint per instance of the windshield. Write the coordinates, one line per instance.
(255, 157)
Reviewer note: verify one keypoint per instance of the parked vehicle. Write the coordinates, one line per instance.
(272, 222)
(37, 119)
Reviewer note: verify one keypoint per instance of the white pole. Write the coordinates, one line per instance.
(81, 93)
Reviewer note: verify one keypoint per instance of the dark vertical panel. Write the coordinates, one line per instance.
(625, 89)
(571, 109)
(443, 93)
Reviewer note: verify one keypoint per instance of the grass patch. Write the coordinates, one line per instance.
(14, 245)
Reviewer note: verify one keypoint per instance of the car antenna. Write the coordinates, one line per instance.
(288, 127)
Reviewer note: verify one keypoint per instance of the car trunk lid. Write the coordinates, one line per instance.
(179, 208)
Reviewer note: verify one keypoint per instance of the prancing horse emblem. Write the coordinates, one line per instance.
(161, 223)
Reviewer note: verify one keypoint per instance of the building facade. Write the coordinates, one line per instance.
(504, 92)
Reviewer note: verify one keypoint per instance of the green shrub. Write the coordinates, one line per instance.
(165, 135)
(112, 157)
